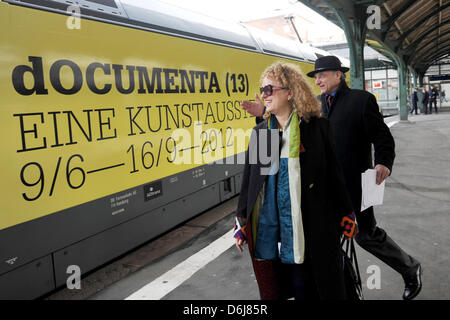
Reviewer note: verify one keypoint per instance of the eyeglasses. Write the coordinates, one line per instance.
(268, 90)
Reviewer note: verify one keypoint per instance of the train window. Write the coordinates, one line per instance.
(169, 19)
(94, 8)
(276, 45)
(307, 51)
(109, 3)
(320, 53)
(155, 16)
(105, 6)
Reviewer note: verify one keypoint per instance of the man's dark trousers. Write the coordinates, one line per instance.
(375, 240)
(435, 106)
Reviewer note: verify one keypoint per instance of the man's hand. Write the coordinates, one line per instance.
(382, 173)
(254, 108)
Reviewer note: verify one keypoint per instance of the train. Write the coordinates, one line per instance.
(120, 121)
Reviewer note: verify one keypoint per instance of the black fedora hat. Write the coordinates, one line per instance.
(326, 63)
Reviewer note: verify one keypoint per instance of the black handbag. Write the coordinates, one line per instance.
(352, 277)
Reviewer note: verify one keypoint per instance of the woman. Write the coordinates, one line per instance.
(291, 218)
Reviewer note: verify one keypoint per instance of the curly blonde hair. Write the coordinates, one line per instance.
(304, 101)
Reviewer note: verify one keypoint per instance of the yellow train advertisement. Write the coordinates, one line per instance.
(92, 111)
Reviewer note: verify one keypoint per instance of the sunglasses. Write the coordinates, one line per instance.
(269, 89)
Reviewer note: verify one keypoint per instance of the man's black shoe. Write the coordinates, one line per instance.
(413, 285)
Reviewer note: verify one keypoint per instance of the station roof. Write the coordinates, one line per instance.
(418, 31)
(373, 59)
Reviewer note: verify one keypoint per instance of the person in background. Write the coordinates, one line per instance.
(292, 218)
(433, 99)
(425, 99)
(357, 125)
(414, 100)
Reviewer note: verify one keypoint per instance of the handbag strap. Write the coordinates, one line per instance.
(347, 245)
(354, 260)
(349, 248)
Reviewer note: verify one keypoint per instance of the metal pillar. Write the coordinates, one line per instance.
(356, 35)
(410, 88)
(415, 76)
(403, 81)
(422, 86)
(356, 61)
(421, 76)
(352, 19)
(402, 92)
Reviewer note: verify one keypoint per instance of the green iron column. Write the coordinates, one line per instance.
(421, 76)
(355, 32)
(419, 92)
(415, 77)
(403, 81)
(352, 19)
(422, 107)
(402, 92)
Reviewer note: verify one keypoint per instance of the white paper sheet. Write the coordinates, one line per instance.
(372, 193)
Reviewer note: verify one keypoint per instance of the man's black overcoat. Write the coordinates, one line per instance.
(357, 123)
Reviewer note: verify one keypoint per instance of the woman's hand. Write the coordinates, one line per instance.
(254, 108)
(240, 243)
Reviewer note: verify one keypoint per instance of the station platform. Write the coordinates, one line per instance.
(195, 261)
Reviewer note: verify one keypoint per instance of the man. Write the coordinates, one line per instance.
(357, 124)
(414, 100)
(425, 98)
(433, 99)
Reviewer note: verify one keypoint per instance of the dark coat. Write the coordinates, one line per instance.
(433, 94)
(324, 201)
(425, 98)
(357, 124)
(414, 99)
